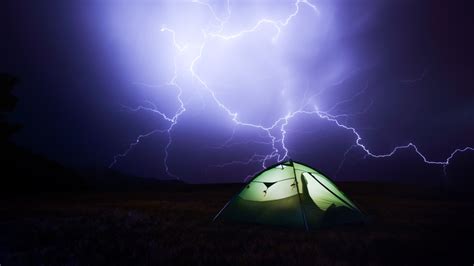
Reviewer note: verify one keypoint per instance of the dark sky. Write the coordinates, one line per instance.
(80, 62)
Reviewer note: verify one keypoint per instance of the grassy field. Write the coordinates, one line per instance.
(172, 225)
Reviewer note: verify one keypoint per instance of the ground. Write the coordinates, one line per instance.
(172, 225)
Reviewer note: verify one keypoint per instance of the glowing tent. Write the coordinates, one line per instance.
(291, 194)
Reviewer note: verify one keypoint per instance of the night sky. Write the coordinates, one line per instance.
(395, 71)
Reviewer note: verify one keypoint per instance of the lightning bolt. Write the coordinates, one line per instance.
(173, 121)
(276, 133)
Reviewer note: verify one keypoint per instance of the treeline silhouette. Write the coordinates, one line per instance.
(23, 171)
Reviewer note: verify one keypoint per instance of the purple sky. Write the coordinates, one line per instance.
(221, 90)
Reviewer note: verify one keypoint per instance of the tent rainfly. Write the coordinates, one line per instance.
(291, 194)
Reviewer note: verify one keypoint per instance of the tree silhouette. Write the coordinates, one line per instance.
(22, 170)
(7, 104)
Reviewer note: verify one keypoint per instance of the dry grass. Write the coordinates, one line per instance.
(173, 226)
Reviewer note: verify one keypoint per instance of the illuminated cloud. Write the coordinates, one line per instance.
(254, 67)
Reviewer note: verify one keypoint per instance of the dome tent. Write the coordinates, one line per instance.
(291, 194)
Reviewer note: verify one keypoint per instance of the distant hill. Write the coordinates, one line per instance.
(22, 171)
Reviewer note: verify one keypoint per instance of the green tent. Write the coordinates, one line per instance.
(291, 194)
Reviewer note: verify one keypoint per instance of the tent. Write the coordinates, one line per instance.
(291, 194)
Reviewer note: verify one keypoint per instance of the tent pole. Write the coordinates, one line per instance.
(237, 194)
(301, 203)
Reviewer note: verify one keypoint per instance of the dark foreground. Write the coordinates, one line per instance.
(172, 225)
